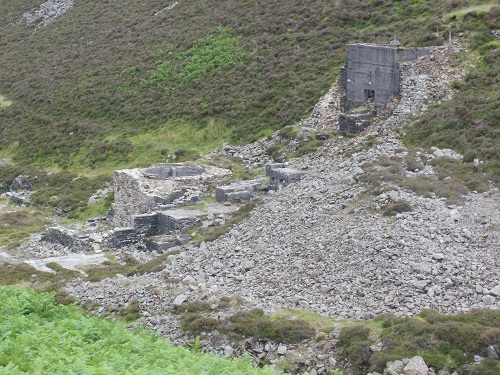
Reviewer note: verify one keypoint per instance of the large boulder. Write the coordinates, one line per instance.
(416, 366)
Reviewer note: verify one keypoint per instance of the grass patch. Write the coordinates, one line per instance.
(4, 102)
(397, 207)
(196, 318)
(128, 267)
(207, 56)
(67, 193)
(452, 181)
(355, 343)
(478, 9)
(319, 322)
(308, 147)
(17, 223)
(236, 166)
(468, 123)
(176, 141)
(254, 323)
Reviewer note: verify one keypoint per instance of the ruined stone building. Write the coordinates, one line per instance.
(372, 72)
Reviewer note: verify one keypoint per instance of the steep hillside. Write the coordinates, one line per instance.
(116, 82)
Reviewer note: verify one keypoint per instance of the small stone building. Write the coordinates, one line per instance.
(161, 187)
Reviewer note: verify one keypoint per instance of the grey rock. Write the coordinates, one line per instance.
(247, 264)
(420, 284)
(180, 299)
(416, 366)
(489, 300)
(332, 361)
(282, 349)
(492, 353)
(455, 215)
(495, 291)
(394, 367)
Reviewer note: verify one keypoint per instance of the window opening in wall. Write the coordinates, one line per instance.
(369, 96)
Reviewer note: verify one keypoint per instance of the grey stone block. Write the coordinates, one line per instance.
(73, 240)
(178, 220)
(162, 243)
(238, 192)
(282, 177)
(372, 71)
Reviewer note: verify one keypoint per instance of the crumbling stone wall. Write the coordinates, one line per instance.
(161, 186)
(430, 77)
(77, 242)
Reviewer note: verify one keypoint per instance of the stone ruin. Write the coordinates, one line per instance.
(371, 77)
(151, 204)
(161, 187)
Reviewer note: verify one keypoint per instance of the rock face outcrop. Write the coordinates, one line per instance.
(48, 11)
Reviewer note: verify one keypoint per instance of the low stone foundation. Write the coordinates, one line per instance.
(77, 242)
(238, 192)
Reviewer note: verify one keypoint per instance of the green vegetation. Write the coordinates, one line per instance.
(4, 103)
(397, 207)
(83, 87)
(319, 322)
(17, 223)
(128, 266)
(206, 57)
(454, 178)
(293, 143)
(67, 193)
(254, 323)
(196, 318)
(39, 337)
(15, 273)
(469, 122)
(444, 341)
(110, 86)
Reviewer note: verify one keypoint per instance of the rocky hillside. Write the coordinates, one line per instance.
(89, 86)
(344, 270)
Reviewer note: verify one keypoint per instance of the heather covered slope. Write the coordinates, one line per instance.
(102, 81)
(111, 85)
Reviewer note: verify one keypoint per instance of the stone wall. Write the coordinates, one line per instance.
(77, 242)
(429, 77)
(130, 197)
(162, 186)
(372, 71)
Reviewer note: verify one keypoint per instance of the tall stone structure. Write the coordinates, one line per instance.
(372, 72)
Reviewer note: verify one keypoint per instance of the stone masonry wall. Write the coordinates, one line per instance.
(143, 191)
(373, 71)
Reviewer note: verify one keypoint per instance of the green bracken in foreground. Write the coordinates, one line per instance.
(37, 337)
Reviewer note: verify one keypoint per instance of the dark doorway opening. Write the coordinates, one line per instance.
(369, 96)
